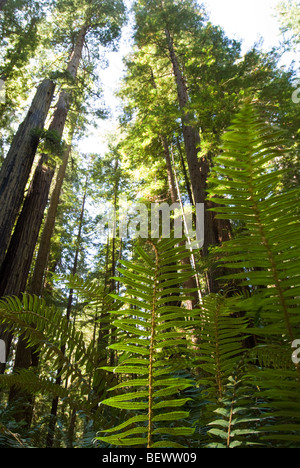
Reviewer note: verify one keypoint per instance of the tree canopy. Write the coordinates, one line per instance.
(149, 292)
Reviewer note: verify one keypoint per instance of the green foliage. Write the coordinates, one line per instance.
(237, 419)
(266, 251)
(50, 142)
(221, 337)
(220, 375)
(48, 331)
(289, 16)
(153, 346)
(264, 257)
(137, 368)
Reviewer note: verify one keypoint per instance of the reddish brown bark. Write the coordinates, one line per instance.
(37, 280)
(215, 231)
(17, 165)
(57, 124)
(15, 268)
(25, 356)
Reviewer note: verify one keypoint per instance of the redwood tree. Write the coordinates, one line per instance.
(17, 165)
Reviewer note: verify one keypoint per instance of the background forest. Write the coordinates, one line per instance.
(122, 341)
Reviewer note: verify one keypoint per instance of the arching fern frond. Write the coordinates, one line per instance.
(155, 344)
(220, 347)
(47, 329)
(266, 251)
(265, 256)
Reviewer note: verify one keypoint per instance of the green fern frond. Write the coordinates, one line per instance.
(266, 251)
(277, 392)
(88, 290)
(155, 344)
(47, 330)
(221, 337)
(237, 419)
(264, 257)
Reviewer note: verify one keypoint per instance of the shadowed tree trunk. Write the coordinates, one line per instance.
(25, 356)
(175, 197)
(17, 165)
(54, 407)
(37, 281)
(215, 231)
(15, 268)
(57, 124)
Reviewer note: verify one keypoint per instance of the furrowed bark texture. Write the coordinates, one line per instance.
(37, 281)
(15, 268)
(25, 356)
(215, 231)
(57, 124)
(17, 165)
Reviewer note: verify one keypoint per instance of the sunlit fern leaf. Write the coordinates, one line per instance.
(218, 350)
(263, 256)
(48, 330)
(266, 251)
(237, 418)
(155, 345)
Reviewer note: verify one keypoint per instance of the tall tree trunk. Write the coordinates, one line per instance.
(26, 356)
(190, 134)
(59, 118)
(215, 231)
(176, 196)
(55, 401)
(15, 268)
(17, 165)
(170, 174)
(57, 125)
(37, 280)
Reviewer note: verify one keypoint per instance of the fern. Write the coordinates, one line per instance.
(238, 418)
(264, 257)
(154, 346)
(220, 342)
(267, 249)
(47, 330)
(186, 377)
(277, 392)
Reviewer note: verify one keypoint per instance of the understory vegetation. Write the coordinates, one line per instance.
(147, 341)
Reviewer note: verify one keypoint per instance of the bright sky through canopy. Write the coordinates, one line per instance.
(246, 21)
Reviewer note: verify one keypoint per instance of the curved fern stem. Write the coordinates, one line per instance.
(152, 349)
(218, 352)
(277, 282)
